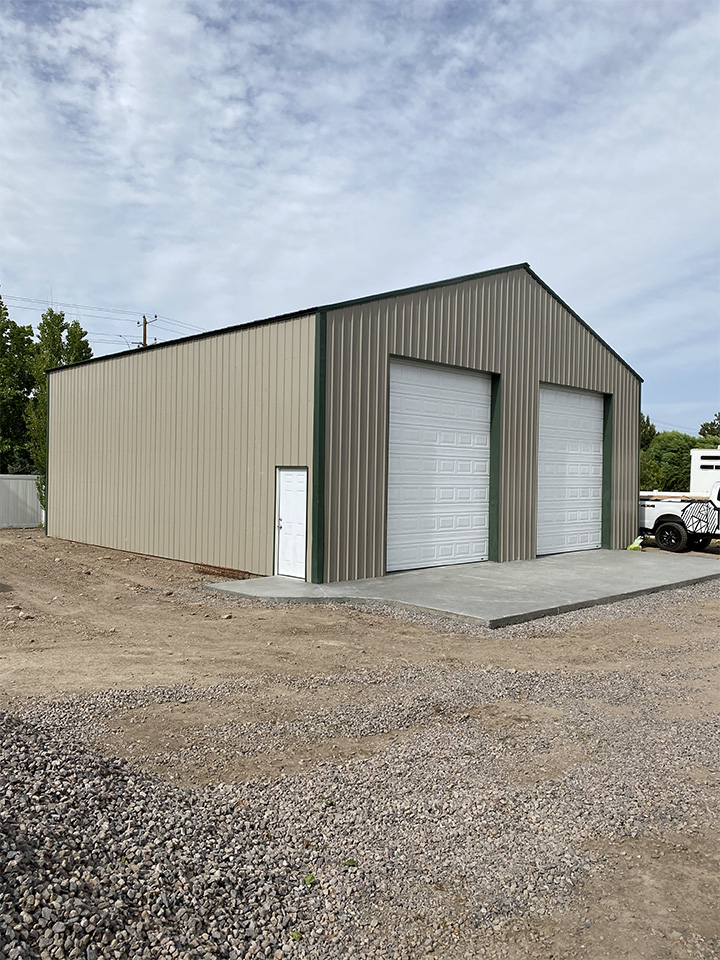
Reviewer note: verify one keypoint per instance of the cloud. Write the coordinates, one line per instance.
(218, 162)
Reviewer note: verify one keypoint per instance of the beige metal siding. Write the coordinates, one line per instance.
(504, 323)
(172, 452)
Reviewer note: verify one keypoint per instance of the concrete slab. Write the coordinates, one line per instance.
(498, 594)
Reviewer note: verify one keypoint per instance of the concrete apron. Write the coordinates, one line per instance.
(498, 594)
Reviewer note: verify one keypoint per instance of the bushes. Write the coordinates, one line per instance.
(665, 463)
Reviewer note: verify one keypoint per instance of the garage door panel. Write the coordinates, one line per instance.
(435, 511)
(433, 554)
(411, 524)
(438, 466)
(456, 469)
(406, 498)
(570, 451)
(559, 542)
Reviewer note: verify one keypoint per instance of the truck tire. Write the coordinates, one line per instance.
(700, 542)
(671, 536)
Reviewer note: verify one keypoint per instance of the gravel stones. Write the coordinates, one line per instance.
(96, 857)
(481, 810)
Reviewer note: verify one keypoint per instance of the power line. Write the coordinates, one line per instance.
(104, 310)
(73, 306)
(88, 316)
(677, 426)
(92, 316)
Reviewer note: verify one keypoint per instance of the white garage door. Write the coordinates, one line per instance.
(570, 466)
(438, 466)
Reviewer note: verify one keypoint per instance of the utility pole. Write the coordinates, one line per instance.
(145, 323)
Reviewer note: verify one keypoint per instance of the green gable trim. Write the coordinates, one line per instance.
(317, 565)
(325, 309)
(607, 471)
(418, 288)
(580, 320)
(404, 291)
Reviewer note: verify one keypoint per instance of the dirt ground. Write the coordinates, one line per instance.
(80, 619)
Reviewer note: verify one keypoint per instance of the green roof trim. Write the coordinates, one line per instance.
(343, 304)
(403, 291)
(580, 320)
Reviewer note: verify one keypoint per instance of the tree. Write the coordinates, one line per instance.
(649, 471)
(59, 343)
(648, 430)
(711, 428)
(665, 464)
(16, 383)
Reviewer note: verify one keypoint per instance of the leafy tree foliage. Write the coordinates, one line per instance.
(711, 428)
(649, 472)
(665, 464)
(16, 383)
(59, 343)
(648, 431)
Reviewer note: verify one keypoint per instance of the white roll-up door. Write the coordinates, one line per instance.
(438, 466)
(570, 468)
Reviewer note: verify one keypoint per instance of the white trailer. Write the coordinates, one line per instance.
(704, 470)
(679, 521)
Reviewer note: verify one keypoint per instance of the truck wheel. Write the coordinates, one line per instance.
(671, 536)
(700, 542)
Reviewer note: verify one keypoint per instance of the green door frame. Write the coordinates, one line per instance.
(607, 470)
(317, 565)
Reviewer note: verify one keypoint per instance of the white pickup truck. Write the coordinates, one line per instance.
(679, 521)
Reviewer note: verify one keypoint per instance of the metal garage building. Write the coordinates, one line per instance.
(478, 418)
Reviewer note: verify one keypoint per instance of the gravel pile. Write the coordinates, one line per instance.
(479, 815)
(101, 863)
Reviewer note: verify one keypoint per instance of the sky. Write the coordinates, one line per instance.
(217, 162)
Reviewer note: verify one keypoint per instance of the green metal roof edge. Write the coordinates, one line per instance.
(479, 276)
(326, 308)
(580, 320)
(426, 286)
(295, 315)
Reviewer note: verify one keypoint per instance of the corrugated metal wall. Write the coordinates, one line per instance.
(172, 451)
(504, 323)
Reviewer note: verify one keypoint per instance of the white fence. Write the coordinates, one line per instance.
(19, 504)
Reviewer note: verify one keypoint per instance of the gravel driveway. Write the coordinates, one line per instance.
(460, 808)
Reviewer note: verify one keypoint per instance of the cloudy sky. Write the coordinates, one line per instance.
(219, 162)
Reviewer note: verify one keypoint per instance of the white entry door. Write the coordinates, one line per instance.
(438, 466)
(570, 468)
(291, 521)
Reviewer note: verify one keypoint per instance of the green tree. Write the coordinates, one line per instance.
(665, 464)
(58, 343)
(16, 383)
(711, 428)
(649, 471)
(648, 430)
